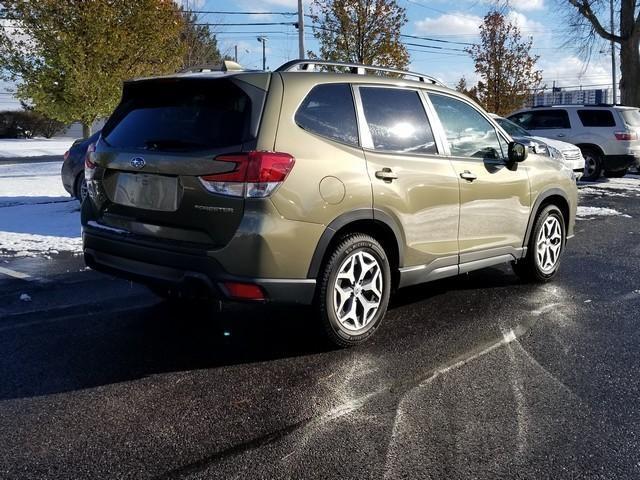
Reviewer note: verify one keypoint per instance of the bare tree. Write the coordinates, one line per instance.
(589, 20)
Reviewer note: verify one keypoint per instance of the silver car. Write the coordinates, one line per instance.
(562, 151)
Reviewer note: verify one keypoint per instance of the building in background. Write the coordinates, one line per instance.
(559, 96)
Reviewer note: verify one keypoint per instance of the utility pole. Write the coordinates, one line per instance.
(235, 56)
(613, 57)
(263, 40)
(301, 53)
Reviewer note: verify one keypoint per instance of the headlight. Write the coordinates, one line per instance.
(539, 148)
(555, 153)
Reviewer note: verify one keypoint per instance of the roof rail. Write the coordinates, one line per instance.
(356, 68)
(590, 105)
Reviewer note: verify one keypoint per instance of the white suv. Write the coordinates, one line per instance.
(607, 135)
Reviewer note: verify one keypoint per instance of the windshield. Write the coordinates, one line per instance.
(511, 128)
(631, 117)
(180, 115)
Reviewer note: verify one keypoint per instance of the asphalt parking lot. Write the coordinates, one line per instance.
(478, 376)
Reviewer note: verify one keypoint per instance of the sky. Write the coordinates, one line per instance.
(454, 22)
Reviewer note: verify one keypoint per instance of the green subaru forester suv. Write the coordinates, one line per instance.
(318, 183)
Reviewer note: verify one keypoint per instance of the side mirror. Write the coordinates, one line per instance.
(517, 152)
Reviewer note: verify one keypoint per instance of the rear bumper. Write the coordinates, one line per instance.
(615, 163)
(188, 270)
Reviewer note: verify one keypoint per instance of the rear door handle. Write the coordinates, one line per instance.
(386, 174)
(467, 175)
(560, 135)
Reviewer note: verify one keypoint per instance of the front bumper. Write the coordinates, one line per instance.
(186, 269)
(615, 163)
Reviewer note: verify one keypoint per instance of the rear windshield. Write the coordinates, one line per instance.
(180, 115)
(631, 117)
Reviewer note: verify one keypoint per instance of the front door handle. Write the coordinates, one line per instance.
(386, 174)
(561, 135)
(467, 175)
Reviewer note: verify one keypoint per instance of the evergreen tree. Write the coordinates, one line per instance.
(201, 44)
(360, 31)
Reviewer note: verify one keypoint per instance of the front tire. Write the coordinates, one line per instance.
(545, 247)
(354, 290)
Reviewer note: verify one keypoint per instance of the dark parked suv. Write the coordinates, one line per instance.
(321, 188)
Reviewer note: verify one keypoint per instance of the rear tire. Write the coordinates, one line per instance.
(80, 187)
(545, 247)
(617, 174)
(592, 164)
(354, 290)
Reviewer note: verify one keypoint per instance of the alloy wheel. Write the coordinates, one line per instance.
(357, 291)
(549, 244)
(590, 165)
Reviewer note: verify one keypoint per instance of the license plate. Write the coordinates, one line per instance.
(150, 192)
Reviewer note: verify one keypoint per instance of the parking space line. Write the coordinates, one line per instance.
(15, 274)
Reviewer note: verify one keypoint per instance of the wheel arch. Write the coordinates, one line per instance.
(554, 196)
(591, 146)
(373, 222)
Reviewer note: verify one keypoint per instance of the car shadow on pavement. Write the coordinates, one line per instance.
(82, 351)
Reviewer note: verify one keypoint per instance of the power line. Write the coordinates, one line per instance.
(239, 13)
(429, 39)
(435, 47)
(245, 24)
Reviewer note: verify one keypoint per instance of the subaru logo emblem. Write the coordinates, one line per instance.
(137, 162)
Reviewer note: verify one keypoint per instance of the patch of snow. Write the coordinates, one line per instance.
(624, 183)
(602, 192)
(37, 216)
(27, 230)
(22, 184)
(33, 147)
(587, 301)
(599, 212)
(25, 297)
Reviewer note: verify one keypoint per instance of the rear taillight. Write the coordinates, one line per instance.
(244, 291)
(66, 155)
(626, 135)
(254, 175)
(89, 165)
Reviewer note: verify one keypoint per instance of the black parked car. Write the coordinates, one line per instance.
(73, 167)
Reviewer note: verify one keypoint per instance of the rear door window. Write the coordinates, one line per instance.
(469, 134)
(397, 120)
(550, 119)
(596, 118)
(180, 115)
(542, 119)
(328, 111)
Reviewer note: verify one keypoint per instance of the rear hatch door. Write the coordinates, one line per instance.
(166, 134)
